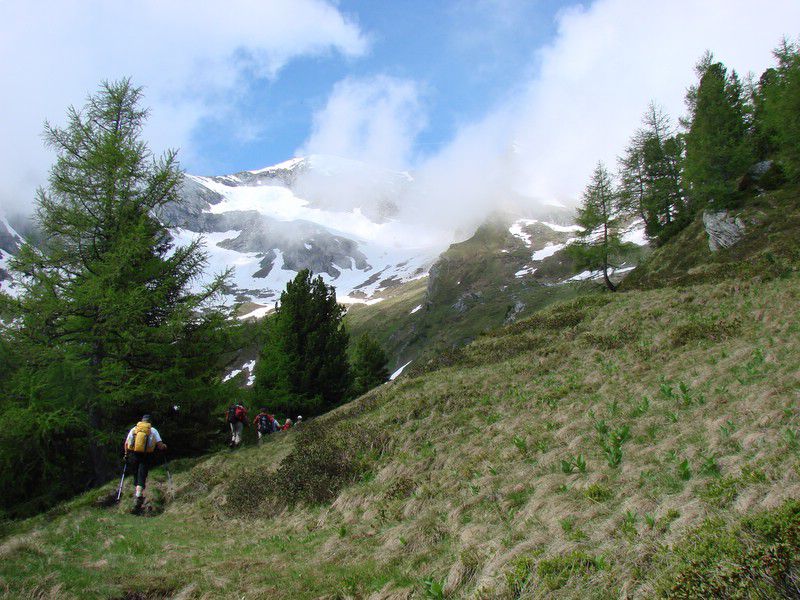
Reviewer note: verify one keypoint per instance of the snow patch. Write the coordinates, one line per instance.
(250, 367)
(287, 164)
(548, 250)
(258, 313)
(635, 234)
(415, 309)
(517, 231)
(231, 375)
(526, 271)
(397, 373)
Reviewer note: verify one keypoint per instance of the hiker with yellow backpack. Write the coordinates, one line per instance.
(142, 441)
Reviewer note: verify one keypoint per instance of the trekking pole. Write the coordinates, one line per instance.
(122, 480)
(166, 466)
(169, 476)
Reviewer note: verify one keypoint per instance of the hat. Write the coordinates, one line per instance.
(146, 418)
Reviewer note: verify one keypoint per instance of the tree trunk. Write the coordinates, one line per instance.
(100, 467)
(609, 284)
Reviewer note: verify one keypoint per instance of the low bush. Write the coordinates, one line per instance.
(708, 328)
(555, 572)
(758, 557)
(328, 455)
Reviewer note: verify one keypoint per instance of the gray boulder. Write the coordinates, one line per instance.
(723, 229)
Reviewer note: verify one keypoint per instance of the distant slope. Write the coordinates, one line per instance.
(508, 269)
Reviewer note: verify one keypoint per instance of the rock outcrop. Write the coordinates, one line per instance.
(723, 229)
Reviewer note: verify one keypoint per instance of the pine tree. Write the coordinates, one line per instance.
(719, 149)
(370, 365)
(598, 215)
(778, 108)
(303, 365)
(107, 295)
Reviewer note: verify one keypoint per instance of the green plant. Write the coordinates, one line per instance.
(520, 444)
(573, 462)
(710, 466)
(613, 407)
(727, 429)
(650, 520)
(520, 573)
(684, 470)
(433, 589)
(792, 437)
(571, 531)
(580, 463)
(641, 408)
(613, 455)
(556, 571)
(628, 525)
(598, 493)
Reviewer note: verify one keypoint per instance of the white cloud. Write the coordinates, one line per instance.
(592, 84)
(190, 56)
(373, 119)
(610, 60)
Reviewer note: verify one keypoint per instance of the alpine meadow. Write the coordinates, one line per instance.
(409, 361)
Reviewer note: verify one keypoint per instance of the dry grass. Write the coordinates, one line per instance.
(468, 489)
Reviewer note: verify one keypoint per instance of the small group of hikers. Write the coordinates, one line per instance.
(264, 422)
(143, 440)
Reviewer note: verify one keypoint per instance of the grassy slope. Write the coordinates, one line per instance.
(474, 477)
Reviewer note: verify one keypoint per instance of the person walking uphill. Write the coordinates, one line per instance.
(265, 424)
(140, 444)
(236, 417)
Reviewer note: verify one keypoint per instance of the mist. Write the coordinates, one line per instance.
(580, 101)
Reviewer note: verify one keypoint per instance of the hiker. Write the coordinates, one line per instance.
(287, 425)
(236, 417)
(265, 424)
(140, 444)
(298, 420)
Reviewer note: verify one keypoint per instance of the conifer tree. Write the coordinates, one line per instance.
(303, 365)
(650, 175)
(779, 104)
(718, 146)
(107, 316)
(370, 365)
(598, 215)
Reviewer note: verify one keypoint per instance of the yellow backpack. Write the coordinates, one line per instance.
(141, 436)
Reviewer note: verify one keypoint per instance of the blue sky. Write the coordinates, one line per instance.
(464, 56)
(482, 99)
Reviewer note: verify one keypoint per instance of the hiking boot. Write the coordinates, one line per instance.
(137, 504)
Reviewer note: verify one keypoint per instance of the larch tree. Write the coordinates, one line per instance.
(600, 239)
(108, 310)
(650, 175)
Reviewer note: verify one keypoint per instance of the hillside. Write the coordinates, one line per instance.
(506, 271)
(637, 444)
